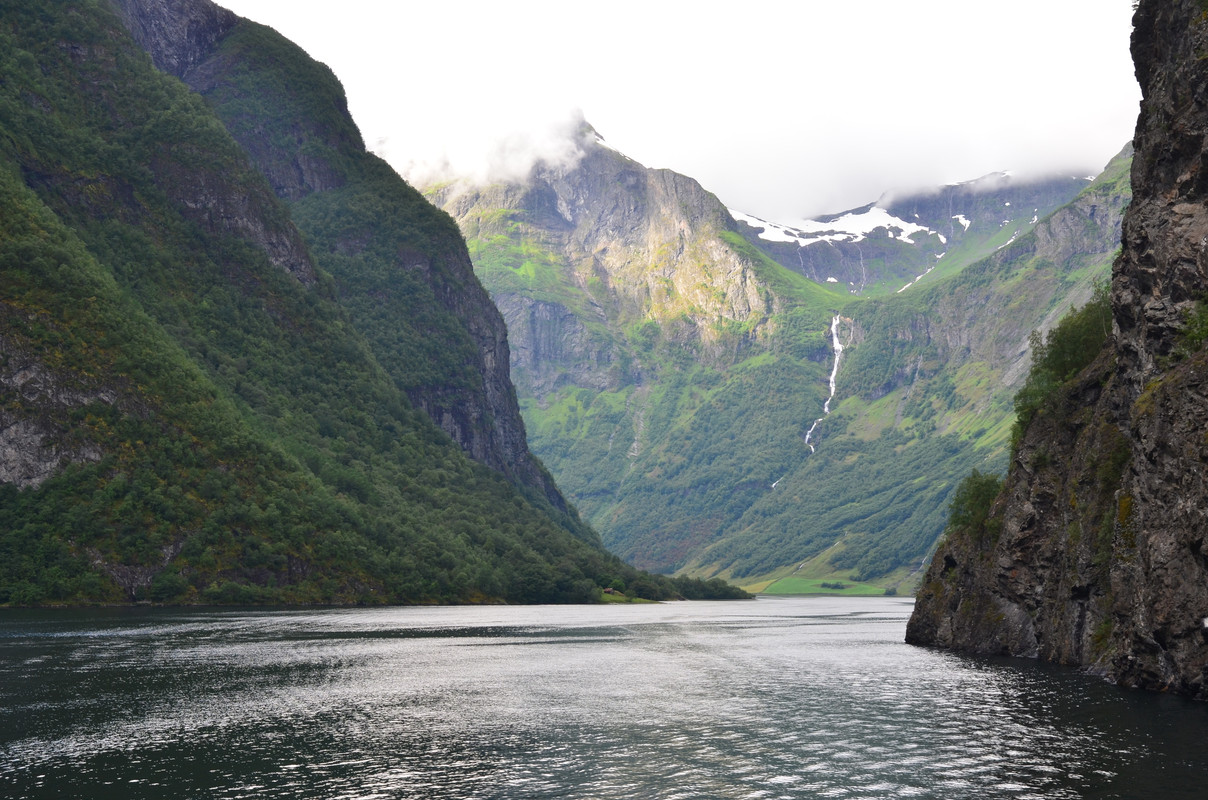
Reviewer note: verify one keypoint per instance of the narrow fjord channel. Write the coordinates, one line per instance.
(775, 698)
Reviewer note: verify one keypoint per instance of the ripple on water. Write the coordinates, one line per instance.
(772, 699)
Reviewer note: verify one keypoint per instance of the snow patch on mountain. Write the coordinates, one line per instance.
(920, 277)
(854, 226)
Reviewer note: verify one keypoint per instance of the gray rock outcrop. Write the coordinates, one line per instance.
(1097, 556)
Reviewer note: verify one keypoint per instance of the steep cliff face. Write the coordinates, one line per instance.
(187, 414)
(654, 238)
(178, 34)
(577, 256)
(290, 115)
(1162, 272)
(1095, 551)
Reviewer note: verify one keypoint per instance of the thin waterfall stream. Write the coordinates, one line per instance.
(837, 346)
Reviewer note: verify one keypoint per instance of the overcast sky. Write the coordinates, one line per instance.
(782, 109)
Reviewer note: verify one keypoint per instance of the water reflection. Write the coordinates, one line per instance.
(779, 698)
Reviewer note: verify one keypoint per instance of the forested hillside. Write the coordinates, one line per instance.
(194, 409)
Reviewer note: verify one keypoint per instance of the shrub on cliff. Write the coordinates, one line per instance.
(1061, 354)
(969, 511)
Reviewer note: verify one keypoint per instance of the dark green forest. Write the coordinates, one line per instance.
(216, 423)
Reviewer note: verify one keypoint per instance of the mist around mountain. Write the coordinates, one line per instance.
(676, 375)
(241, 361)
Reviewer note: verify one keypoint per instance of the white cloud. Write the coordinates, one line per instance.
(784, 109)
(509, 156)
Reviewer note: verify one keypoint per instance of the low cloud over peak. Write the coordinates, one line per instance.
(510, 157)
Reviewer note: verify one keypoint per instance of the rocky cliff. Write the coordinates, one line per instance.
(178, 34)
(611, 245)
(1094, 552)
(290, 115)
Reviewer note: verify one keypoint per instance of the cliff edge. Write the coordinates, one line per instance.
(1093, 552)
(290, 114)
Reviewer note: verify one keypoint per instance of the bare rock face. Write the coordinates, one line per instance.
(1163, 267)
(1097, 557)
(34, 423)
(551, 347)
(638, 244)
(177, 34)
(652, 237)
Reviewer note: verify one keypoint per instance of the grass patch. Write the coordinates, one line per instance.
(618, 598)
(823, 586)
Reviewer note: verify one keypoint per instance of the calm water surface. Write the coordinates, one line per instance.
(775, 698)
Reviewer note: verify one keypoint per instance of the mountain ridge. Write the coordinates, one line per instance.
(188, 411)
(653, 419)
(903, 237)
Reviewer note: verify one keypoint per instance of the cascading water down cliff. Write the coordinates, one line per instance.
(837, 346)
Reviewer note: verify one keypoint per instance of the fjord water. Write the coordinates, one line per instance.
(772, 698)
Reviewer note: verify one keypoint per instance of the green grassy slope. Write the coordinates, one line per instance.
(926, 397)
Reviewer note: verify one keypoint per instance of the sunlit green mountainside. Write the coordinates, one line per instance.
(925, 394)
(669, 371)
(187, 411)
(899, 241)
(642, 328)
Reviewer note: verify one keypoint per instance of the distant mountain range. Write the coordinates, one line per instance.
(895, 242)
(671, 356)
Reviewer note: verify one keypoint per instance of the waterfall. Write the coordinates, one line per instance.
(837, 346)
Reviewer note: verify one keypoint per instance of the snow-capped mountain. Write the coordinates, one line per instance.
(895, 242)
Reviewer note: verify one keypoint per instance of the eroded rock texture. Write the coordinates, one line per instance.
(1096, 551)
